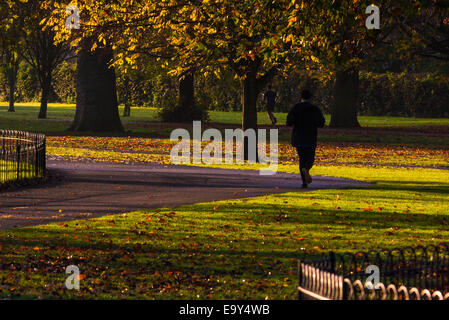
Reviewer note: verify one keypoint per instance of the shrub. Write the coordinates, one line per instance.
(409, 95)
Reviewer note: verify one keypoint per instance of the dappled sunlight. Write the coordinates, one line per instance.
(163, 253)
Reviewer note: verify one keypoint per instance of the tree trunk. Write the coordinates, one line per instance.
(346, 91)
(127, 108)
(96, 92)
(46, 88)
(250, 92)
(12, 79)
(184, 111)
(186, 101)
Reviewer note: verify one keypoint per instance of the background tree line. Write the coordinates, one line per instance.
(382, 93)
(160, 53)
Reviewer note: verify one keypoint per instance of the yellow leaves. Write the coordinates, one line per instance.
(314, 59)
(101, 39)
(75, 42)
(292, 20)
(194, 14)
(134, 57)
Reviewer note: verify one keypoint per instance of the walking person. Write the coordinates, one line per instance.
(305, 118)
(270, 99)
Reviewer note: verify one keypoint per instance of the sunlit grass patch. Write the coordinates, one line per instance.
(8, 171)
(118, 149)
(28, 112)
(229, 249)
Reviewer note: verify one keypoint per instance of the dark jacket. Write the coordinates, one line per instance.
(305, 118)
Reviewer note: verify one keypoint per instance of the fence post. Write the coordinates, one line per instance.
(44, 153)
(300, 295)
(36, 160)
(15, 166)
(18, 160)
(332, 261)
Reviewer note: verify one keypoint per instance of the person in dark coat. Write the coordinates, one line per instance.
(305, 118)
(270, 99)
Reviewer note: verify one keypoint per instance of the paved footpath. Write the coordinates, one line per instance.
(86, 190)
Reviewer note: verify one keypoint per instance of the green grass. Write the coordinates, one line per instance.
(144, 122)
(229, 249)
(235, 249)
(141, 149)
(365, 121)
(29, 111)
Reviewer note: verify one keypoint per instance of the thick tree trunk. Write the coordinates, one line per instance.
(186, 98)
(346, 92)
(250, 91)
(46, 88)
(252, 85)
(96, 92)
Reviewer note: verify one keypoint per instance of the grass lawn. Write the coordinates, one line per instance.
(365, 121)
(29, 112)
(235, 249)
(230, 249)
(137, 149)
(144, 122)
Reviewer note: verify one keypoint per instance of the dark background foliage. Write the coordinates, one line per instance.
(381, 94)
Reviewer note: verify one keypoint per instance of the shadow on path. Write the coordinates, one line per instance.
(88, 190)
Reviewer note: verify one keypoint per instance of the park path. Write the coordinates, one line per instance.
(80, 190)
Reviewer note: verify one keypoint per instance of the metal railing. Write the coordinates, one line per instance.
(22, 156)
(420, 273)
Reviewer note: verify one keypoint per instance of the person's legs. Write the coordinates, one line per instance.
(310, 158)
(271, 115)
(302, 165)
(306, 161)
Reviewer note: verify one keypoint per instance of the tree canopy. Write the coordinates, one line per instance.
(255, 38)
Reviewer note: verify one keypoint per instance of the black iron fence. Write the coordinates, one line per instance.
(420, 273)
(22, 156)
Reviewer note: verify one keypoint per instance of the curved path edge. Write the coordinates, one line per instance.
(80, 190)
